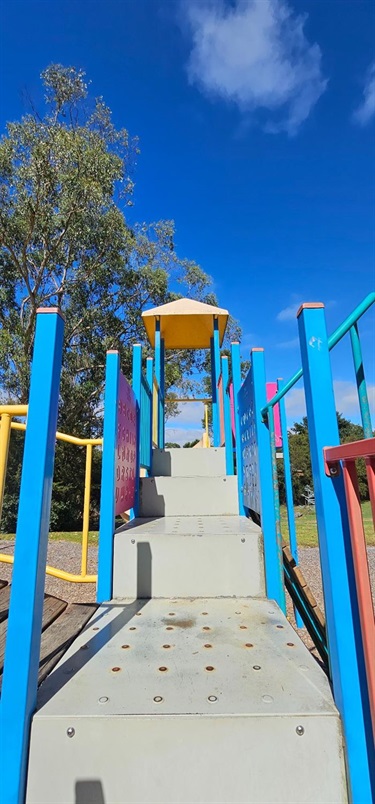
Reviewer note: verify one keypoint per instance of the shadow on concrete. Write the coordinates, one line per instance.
(89, 791)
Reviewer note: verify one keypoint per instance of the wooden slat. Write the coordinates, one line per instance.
(307, 595)
(52, 608)
(299, 576)
(60, 635)
(4, 602)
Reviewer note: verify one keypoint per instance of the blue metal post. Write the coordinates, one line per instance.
(108, 486)
(21, 665)
(150, 380)
(288, 490)
(273, 556)
(159, 374)
(215, 374)
(343, 628)
(162, 396)
(227, 419)
(136, 385)
(361, 382)
(236, 379)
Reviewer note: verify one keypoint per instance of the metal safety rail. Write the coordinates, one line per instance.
(343, 458)
(24, 625)
(344, 645)
(7, 415)
(349, 325)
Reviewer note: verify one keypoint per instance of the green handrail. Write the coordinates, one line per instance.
(336, 336)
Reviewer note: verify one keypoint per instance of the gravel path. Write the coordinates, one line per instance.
(67, 556)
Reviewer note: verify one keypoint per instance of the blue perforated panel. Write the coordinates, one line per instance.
(249, 449)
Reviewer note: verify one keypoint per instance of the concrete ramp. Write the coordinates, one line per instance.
(208, 556)
(167, 701)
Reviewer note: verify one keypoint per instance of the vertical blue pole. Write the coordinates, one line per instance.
(162, 393)
(236, 378)
(21, 665)
(108, 485)
(215, 374)
(137, 385)
(273, 556)
(288, 490)
(159, 374)
(361, 382)
(343, 628)
(150, 380)
(227, 420)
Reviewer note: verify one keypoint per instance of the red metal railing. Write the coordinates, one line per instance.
(345, 457)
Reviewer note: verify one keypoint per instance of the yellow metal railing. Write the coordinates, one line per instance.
(7, 413)
(206, 402)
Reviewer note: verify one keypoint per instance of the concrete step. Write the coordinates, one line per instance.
(186, 701)
(188, 496)
(189, 557)
(188, 462)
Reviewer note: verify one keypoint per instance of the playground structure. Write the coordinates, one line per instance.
(188, 683)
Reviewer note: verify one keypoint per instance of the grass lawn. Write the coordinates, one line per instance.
(305, 526)
(307, 535)
(61, 536)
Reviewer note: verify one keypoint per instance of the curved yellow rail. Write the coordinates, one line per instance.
(7, 413)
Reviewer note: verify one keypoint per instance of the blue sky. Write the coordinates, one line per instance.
(256, 121)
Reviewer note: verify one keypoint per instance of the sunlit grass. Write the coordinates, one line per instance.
(305, 519)
(62, 536)
(307, 534)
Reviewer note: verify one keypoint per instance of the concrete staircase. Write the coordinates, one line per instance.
(190, 685)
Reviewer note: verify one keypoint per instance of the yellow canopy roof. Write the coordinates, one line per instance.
(185, 324)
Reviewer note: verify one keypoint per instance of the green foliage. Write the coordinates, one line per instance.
(190, 444)
(172, 445)
(65, 182)
(13, 480)
(299, 449)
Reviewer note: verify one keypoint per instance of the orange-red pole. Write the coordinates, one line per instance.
(362, 576)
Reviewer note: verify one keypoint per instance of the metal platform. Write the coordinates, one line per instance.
(189, 462)
(256, 723)
(188, 496)
(189, 557)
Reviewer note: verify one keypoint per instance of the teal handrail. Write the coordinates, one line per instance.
(333, 340)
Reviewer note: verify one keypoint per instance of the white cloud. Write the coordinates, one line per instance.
(295, 404)
(346, 398)
(186, 426)
(189, 413)
(180, 435)
(366, 109)
(255, 54)
(289, 313)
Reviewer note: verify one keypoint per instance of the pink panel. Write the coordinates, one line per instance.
(126, 448)
(271, 390)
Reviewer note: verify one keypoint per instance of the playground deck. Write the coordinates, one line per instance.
(60, 625)
(181, 688)
(188, 684)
